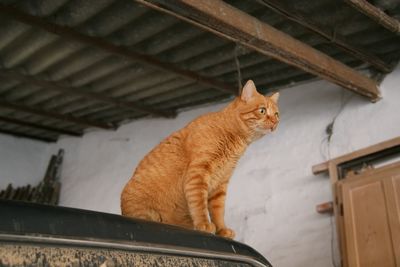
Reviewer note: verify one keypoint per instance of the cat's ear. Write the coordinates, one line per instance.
(249, 91)
(274, 97)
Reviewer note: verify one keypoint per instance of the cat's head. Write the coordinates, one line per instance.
(258, 112)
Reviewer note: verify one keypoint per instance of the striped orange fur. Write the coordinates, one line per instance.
(183, 181)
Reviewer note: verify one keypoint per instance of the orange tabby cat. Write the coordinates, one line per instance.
(183, 181)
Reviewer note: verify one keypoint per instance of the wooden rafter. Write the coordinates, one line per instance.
(54, 115)
(224, 20)
(376, 14)
(333, 37)
(40, 126)
(150, 61)
(84, 92)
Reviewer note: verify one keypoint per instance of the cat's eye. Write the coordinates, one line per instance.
(277, 114)
(262, 110)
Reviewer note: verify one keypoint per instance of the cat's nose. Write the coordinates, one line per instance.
(273, 119)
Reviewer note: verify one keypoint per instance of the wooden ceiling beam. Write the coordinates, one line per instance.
(69, 33)
(54, 115)
(376, 14)
(84, 92)
(40, 126)
(29, 136)
(233, 24)
(332, 36)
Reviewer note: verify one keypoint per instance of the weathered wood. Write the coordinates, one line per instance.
(40, 126)
(8, 191)
(17, 193)
(84, 92)
(69, 33)
(55, 194)
(49, 176)
(26, 192)
(320, 168)
(54, 115)
(31, 194)
(47, 191)
(333, 37)
(326, 207)
(224, 20)
(376, 14)
(324, 166)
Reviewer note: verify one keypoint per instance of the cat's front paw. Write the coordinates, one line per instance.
(205, 227)
(226, 232)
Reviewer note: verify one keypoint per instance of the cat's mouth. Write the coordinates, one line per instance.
(269, 128)
(264, 131)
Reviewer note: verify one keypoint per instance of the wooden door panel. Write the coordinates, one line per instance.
(368, 233)
(340, 224)
(392, 187)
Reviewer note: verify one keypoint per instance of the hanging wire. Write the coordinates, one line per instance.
(326, 141)
(239, 73)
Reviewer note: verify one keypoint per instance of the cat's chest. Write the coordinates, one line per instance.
(221, 175)
(224, 165)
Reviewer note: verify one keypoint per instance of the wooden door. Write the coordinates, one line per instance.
(371, 218)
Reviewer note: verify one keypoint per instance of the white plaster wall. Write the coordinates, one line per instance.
(22, 161)
(272, 195)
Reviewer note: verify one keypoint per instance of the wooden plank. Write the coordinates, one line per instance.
(26, 192)
(376, 14)
(221, 18)
(40, 126)
(320, 168)
(333, 37)
(69, 33)
(51, 170)
(324, 166)
(17, 193)
(392, 187)
(55, 194)
(84, 92)
(340, 226)
(54, 115)
(8, 191)
(326, 207)
(31, 194)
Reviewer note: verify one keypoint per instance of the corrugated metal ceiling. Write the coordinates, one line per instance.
(48, 79)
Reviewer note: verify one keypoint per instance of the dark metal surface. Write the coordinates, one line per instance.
(41, 255)
(46, 54)
(71, 225)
